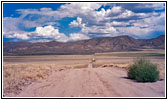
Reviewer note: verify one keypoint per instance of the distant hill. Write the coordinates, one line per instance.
(104, 44)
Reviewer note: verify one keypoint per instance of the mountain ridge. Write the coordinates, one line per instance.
(94, 45)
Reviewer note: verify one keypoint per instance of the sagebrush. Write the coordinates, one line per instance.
(143, 70)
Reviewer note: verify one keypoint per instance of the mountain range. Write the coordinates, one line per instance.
(103, 44)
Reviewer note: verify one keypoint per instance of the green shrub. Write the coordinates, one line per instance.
(143, 71)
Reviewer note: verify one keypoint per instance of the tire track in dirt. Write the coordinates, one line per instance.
(115, 80)
(92, 82)
(94, 86)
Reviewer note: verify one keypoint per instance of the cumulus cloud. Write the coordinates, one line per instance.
(135, 31)
(98, 29)
(139, 7)
(136, 19)
(116, 10)
(47, 31)
(50, 32)
(77, 23)
(83, 6)
(11, 29)
(144, 27)
(78, 36)
(8, 26)
(23, 36)
(30, 18)
(92, 29)
(116, 23)
(126, 14)
(155, 6)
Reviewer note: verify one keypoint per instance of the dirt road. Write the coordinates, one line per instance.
(92, 82)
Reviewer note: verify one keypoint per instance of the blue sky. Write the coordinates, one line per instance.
(41, 22)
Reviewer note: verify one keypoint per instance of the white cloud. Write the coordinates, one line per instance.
(116, 23)
(98, 29)
(145, 27)
(156, 6)
(23, 36)
(115, 10)
(46, 9)
(78, 36)
(107, 22)
(51, 32)
(139, 7)
(36, 18)
(155, 23)
(92, 29)
(101, 13)
(139, 28)
(10, 24)
(47, 31)
(135, 31)
(126, 14)
(81, 6)
(11, 29)
(77, 23)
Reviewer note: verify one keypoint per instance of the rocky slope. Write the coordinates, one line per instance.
(105, 44)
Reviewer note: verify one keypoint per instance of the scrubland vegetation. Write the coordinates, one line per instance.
(20, 71)
(17, 75)
(143, 71)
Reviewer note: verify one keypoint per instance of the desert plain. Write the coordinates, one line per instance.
(79, 76)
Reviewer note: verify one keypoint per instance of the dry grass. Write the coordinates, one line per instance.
(23, 70)
(17, 75)
(19, 71)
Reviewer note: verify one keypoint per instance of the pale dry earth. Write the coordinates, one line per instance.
(92, 82)
(76, 77)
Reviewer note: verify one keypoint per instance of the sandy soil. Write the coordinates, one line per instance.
(92, 82)
(75, 76)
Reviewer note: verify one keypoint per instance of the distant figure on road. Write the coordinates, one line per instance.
(93, 59)
(91, 63)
